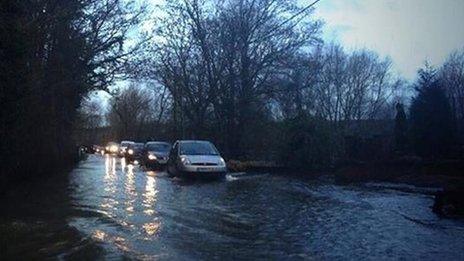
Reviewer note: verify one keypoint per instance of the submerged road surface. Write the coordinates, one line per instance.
(107, 209)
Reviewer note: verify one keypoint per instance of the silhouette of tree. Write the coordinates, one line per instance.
(401, 128)
(432, 124)
(52, 53)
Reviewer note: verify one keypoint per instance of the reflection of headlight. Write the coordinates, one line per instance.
(222, 162)
(130, 151)
(185, 160)
(151, 157)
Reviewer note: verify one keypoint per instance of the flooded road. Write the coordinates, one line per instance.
(107, 209)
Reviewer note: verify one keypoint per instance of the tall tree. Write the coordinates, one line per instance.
(432, 122)
(52, 53)
(130, 111)
(452, 75)
(216, 59)
(401, 129)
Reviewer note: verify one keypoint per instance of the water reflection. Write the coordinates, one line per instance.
(118, 241)
(110, 167)
(131, 193)
(255, 217)
(109, 203)
(150, 195)
(151, 228)
(123, 164)
(149, 201)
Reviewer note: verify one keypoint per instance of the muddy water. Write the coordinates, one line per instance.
(107, 209)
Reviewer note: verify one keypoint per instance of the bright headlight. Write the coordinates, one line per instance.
(222, 162)
(185, 160)
(114, 148)
(151, 157)
(130, 151)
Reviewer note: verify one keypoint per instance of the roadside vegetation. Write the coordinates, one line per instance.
(257, 79)
(52, 54)
(254, 77)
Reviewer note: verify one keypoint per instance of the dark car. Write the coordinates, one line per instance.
(123, 147)
(99, 149)
(196, 159)
(87, 149)
(134, 152)
(156, 154)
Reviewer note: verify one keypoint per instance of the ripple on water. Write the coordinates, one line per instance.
(144, 214)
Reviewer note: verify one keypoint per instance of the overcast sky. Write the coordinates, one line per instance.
(409, 31)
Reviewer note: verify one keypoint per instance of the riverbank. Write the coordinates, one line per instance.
(11, 182)
(442, 174)
(254, 166)
(445, 174)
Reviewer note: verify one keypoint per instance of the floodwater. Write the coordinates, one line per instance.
(106, 209)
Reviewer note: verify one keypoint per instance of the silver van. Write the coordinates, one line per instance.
(196, 159)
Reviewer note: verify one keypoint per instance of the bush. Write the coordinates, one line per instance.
(305, 143)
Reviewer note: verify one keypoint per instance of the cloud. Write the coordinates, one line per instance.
(409, 31)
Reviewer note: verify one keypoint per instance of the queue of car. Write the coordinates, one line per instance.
(185, 158)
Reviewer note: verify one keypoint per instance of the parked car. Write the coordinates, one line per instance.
(155, 154)
(112, 148)
(195, 159)
(134, 152)
(123, 147)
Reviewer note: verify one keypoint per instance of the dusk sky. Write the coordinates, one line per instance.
(408, 31)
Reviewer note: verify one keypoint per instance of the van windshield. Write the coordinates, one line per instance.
(197, 148)
(161, 147)
(136, 146)
(126, 143)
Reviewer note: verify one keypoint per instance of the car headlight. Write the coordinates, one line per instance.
(222, 162)
(151, 157)
(185, 161)
(130, 151)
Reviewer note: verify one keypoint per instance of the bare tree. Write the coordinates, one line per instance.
(91, 113)
(354, 86)
(452, 74)
(216, 59)
(130, 111)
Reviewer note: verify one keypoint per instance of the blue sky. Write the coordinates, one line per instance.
(408, 31)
